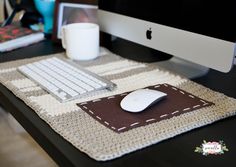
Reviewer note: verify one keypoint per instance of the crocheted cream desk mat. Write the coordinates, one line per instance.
(93, 138)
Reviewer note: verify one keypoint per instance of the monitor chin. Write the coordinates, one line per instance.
(134, 51)
(184, 68)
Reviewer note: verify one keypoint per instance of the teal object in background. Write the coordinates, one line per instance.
(46, 9)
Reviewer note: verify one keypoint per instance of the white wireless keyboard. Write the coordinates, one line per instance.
(64, 80)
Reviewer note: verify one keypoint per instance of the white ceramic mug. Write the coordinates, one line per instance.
(81, 40)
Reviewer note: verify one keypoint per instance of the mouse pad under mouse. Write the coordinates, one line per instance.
(109, 113)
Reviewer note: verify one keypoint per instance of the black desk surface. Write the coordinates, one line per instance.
(178, 151)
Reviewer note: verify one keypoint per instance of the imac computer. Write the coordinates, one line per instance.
(198, 31)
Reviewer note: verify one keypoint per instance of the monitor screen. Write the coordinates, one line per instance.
(200, 31)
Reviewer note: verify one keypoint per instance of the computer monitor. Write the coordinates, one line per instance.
(199, 31)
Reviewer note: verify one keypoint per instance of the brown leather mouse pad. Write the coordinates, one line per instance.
(109, 113)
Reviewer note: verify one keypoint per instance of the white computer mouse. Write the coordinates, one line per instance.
(141, 99)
